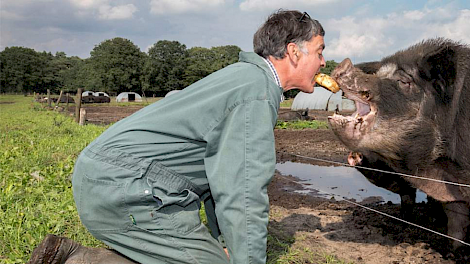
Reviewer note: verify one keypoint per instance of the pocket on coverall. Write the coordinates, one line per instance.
(173, 202)
(102, 205)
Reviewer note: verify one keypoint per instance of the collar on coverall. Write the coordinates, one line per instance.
(273, 71)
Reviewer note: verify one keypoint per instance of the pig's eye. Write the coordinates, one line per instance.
(404, 84)
(365, 94)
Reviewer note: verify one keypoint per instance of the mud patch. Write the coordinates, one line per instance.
(349, 232)
(105, 115)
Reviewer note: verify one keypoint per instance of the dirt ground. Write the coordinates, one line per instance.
(305, 223)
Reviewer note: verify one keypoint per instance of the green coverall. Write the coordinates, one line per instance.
(139, 185)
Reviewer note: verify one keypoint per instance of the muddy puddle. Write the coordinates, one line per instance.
(339, 183)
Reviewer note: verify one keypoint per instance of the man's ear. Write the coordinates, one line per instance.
(438, 67)
(293, 52)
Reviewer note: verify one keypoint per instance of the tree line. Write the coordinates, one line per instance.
(114, 66)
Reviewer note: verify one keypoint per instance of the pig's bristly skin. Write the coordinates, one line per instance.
(413, 116)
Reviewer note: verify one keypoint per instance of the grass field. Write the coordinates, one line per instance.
(38, 149)
(37, 153)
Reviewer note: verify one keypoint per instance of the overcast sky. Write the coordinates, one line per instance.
(359, 29)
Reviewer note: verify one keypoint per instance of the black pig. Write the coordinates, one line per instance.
(294, 116)
(413, 116)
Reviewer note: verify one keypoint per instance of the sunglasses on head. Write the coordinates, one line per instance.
(305, 15)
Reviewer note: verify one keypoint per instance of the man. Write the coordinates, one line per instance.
(138, 187)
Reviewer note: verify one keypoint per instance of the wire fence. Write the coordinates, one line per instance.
(382, 213)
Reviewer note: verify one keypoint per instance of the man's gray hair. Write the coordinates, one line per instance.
(284, 27)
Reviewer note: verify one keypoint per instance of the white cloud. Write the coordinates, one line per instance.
(358, 37)
(10, 15)
(458, 29)
(6, 37)
(117, 12)
(54, 44)
(87, 4)
(65, 44)
(373, 38)
(20, 3)
(182, 6)
(256, 5)
(103, 9)
(414, 15)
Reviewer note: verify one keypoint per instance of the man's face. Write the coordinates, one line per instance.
(309, 64)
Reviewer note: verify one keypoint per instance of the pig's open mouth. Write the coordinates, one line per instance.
(361, 121)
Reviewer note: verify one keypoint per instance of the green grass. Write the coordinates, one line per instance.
(287, 103)
(284, 249)
(38, 149)
(314, 124)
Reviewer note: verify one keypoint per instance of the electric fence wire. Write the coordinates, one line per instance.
(378, 170)
(382, 213)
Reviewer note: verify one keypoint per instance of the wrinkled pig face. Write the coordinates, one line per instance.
(402, 101)
(385, 99)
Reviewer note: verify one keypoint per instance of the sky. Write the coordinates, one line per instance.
(357, 29)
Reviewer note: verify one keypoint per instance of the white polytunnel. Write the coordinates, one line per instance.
(172, 92)
(322, 99)
(128, 97)
(100, 94)
(87, 93)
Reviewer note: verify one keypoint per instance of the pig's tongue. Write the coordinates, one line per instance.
(362, 109)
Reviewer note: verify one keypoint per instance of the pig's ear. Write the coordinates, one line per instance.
(438, 67)
(369, 67)
(342, 68)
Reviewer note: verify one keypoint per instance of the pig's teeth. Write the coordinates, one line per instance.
(356, 116)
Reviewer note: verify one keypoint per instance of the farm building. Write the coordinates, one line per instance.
(172, 92)
(128, 97)
(100, 94)
(322, 99)
(87, 93)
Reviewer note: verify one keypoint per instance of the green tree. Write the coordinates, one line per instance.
(225, 55)
(68, 68)
(164, 70)
(203, 61)
(118, 64)
(21, 70)
(80, 74)
(62, 67)
(48, 71)
(330, 66)
(199, 64)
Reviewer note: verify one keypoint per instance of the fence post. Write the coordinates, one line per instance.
(82, 116)
(49, 97)
(60, 97)
(67, 94)
(78, 105)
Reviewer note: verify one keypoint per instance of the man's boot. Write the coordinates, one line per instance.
(61, 250)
